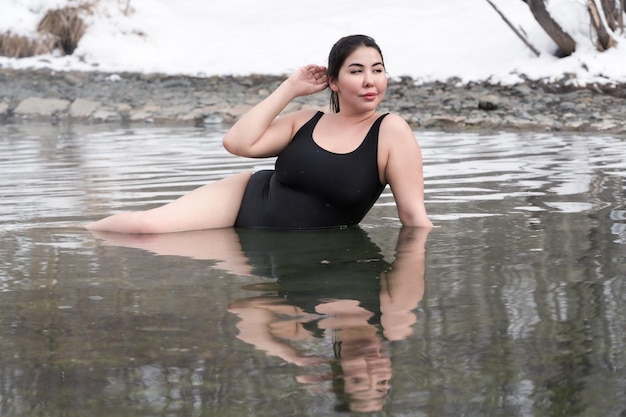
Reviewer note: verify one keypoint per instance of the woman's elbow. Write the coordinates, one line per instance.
(232, 146)
(228, 144)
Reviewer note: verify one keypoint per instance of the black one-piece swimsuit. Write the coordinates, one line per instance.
(312, 188)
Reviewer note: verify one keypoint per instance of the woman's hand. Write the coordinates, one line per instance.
(309, 79)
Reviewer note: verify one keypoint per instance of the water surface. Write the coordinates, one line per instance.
(516, 307)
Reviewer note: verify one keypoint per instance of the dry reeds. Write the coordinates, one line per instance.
(59, 29)
(66, 25)
(16, 46)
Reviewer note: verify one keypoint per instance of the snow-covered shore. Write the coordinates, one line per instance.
(425, 40)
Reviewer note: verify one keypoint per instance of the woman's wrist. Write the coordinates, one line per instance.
(290, 90)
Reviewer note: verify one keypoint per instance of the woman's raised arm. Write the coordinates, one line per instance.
(259, 133)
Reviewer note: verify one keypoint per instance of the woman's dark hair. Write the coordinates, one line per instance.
(338, 54)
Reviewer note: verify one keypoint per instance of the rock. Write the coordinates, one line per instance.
(476, 120)
(83, 108)
(177, 111)
(568, 107)
(104, 115)
(4, 110)
(444, 121)
(576, 126)
(522, 90)
(73, 80)
(140, 116)
(488, 102)
(519, 123)
(605, 125)
(42, 106)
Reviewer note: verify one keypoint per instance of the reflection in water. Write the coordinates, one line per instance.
(333, 285)
(222, 246)
(347, 295)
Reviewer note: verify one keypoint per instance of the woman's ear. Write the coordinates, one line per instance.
(332, 84)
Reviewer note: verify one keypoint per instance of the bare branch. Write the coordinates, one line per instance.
(564, 41)
(612, 13)
(605, 40)
(517, 32)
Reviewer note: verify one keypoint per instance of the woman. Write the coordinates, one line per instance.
(326, 175)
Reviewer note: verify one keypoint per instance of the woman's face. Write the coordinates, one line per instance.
(362, 81)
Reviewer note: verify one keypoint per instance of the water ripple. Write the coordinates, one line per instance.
(560, 170)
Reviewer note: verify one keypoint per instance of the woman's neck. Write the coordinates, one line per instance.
(355, 118)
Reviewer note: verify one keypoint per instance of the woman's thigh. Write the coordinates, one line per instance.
(211, 206)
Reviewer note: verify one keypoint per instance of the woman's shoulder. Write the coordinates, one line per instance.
(302, 115)
(393, 125)
(396, 136)
(299, 118)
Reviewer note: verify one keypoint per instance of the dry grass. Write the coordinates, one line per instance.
(59, 29)
(66, 25)
(16, 46)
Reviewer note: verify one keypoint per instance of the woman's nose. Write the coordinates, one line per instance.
(367, 79)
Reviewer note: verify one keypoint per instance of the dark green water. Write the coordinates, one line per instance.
(517, 306)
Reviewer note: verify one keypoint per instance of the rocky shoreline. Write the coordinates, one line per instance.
(133, 98)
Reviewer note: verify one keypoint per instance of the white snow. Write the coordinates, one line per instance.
(424, 39)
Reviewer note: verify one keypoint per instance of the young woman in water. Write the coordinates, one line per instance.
(330, 168)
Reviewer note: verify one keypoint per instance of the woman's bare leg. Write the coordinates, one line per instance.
(211, 206)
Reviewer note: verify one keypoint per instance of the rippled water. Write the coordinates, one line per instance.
(516, 309)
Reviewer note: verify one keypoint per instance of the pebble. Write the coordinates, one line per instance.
(132, 98)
